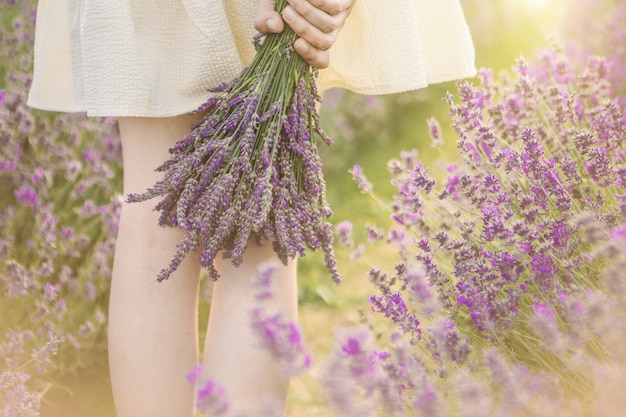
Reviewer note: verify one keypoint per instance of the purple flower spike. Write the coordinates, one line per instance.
(392, 305)
(282, 340)
(212, 399)
(344, 231)
(364, 185)
(435, 132)
(249, 171)
(279, 335)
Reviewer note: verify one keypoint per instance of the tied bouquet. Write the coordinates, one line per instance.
(249, 172)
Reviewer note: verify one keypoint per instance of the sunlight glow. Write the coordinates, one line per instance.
(538, 4)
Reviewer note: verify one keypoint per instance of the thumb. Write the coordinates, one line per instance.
(267, 20)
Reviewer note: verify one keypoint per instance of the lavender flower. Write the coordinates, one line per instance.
(50, 250)
(250, 170)
(283, 340)
(363, 184)
(475, 398)
(515, 255)
(421, 291)
(598, 30)
(392, 305)
(18, 398)
(435, 132)
(344, 233)
(280, 336)
(447, 343)
(211, 398)
(355, 371)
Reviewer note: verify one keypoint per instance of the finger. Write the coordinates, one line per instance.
(319, 18)
(267, 20)
(332, 7)
(305, 30)
(314, 57)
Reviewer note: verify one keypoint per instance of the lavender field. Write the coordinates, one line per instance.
(480, 230)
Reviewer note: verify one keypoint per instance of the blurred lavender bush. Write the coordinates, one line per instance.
(597, 27)
(60, 179)
(510, 272)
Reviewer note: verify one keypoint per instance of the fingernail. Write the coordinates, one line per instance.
(271, 25)
(289, 15)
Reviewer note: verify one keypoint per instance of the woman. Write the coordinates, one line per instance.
(149, 63)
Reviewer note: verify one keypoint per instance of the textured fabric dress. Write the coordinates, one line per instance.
(157, 58)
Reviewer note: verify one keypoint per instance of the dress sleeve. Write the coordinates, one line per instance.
(389, 46)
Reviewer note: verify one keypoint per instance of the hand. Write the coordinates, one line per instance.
(316, 22)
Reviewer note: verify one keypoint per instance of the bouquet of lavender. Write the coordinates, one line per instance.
(250, 169)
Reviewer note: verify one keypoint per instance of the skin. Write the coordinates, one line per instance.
(153, 338)
(316, 22)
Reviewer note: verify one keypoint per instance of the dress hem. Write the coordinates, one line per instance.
(379, 89)
(395, 88)
(119, 112)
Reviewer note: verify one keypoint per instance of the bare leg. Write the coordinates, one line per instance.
(152, 326)
(232, 356)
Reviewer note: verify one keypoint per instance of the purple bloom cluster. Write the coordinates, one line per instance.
(211, 397)
(18, 399)
(598, 29)
(514, 258)
(356, 371)
(250, 170)
(392, 305)
(280, 336)
(59, 175)
(538, 151)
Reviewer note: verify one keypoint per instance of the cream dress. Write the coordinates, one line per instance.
(157, 58)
